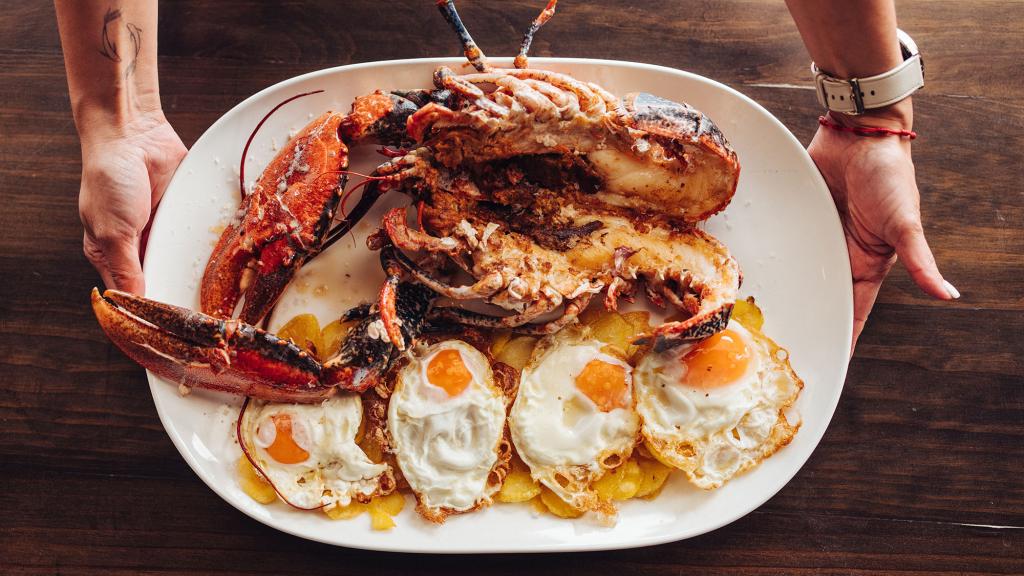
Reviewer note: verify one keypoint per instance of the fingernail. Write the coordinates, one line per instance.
(951, 290)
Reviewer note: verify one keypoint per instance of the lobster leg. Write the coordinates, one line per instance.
(473, 53)
(539, 21)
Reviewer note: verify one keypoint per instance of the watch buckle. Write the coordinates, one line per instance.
(858, 96)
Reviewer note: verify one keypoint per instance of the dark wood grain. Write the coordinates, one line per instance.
(921, 470)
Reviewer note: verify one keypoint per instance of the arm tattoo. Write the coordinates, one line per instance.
(135, 33)
(107, 47)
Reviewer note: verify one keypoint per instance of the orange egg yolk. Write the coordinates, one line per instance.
(604, 383)
(717, 361)
(284, 449)
(447, 371)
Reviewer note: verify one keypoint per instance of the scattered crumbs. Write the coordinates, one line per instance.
(218, 229)
(273, 144)
(320, 290)
(184, 390)
(216, 160)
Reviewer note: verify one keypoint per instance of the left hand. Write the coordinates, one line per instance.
(873, 183)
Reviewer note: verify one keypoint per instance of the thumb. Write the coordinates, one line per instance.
(912, 248)
(117, 261)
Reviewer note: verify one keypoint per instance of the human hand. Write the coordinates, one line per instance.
(873, 183)
(125, 170)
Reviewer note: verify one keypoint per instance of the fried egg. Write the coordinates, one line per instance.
(716, 408)
(309, 452)
(574, 418)
(446, 419)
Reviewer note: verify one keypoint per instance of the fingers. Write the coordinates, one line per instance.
(912, 248)
(116, 258)
(864, 294)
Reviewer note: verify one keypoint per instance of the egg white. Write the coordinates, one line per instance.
(336, 471)
(446, 446)
(714, 434)
(560, 433)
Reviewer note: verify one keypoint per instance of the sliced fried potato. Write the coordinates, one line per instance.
(747, 313)
(518, 485)
(333, 335)
(304, 331)
(653, 477)
(391, 504)
(556, 505)
(499, 338)
(253, 484)
(345, 512)
(517, 352)
(621, 483)
(610, 328)
(592, 314)
(538, 505)
(640, 320)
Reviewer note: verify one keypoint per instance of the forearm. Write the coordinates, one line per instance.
(854, 39)
(110, 53)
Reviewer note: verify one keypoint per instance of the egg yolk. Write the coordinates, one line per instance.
(284, 449)
(717, 361)
(604, 383)
(447, 371)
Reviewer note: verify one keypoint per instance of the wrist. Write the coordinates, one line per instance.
(100, 124)
(897, 116)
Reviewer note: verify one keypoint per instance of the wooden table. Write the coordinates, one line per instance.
(922, 469)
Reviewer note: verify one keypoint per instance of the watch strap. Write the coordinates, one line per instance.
(856, 95)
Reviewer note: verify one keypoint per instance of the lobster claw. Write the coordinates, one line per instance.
(194, 349)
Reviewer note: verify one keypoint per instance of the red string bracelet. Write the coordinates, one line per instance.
(865, 131)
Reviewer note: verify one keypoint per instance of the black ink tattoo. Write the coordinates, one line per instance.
(108, 48)
(135, 34)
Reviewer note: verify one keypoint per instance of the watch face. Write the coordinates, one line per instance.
(907, 45)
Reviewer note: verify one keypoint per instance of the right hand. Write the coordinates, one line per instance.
(125, 170)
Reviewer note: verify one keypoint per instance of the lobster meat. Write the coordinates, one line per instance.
(542, 189)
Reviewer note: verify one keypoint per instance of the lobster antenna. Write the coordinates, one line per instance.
(473, 53)
(541, 19)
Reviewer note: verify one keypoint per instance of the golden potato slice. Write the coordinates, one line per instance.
(517, 352)
(304, 331)
(621, 483)
(253, 484)
(345, 512)
(592, 314)
(391, 504)
(518, 485)
(333, 335)
(538, 505)
(383, 509)
(747, 313)
(556, 505)
(612, 329)
(499, 338)
(641, 320)
(653, 477)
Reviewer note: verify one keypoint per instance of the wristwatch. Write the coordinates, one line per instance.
(856, 95)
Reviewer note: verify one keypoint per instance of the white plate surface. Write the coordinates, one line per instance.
(782, 227)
